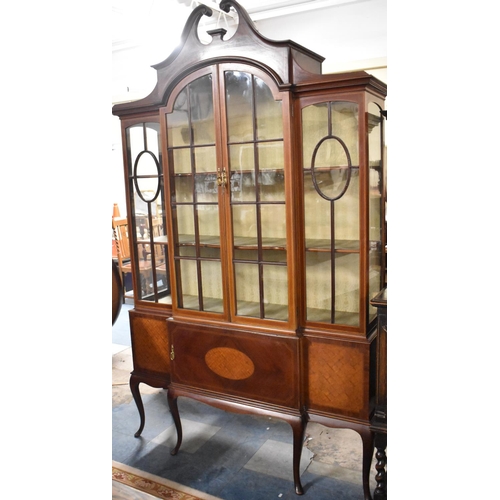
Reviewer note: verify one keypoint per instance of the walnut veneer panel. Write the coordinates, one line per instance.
(150, 345)
(338, 377)
(242, 364)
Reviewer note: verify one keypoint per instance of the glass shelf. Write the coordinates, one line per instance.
(241, 242)
(272, 311)
(325, 316)
(325, 245)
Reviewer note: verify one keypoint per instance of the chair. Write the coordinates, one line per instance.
(120, 233)
(121, 236)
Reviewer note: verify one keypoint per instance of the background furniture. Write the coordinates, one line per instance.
(379, 420)
(117, 292)
(267, 179)
(152, 268)
(122, 247)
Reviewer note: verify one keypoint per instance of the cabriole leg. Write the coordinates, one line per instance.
(367, 439)
(134, 388)
(174, 410)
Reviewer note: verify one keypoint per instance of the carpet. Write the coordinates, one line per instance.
(155, 486)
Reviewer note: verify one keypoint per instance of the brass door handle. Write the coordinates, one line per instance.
(172, 353)
(222, 178)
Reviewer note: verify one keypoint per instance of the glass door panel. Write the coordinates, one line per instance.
(268, 112)
(148, 234)
(242, 176)
(194, 197)
(257, 197)
(204, 159)
(275, 279)
(239, 106)
(211, 274)
(273, 223)
(248, 299)
(331, 205)
(245, 232)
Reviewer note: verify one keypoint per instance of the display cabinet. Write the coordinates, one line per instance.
(255, 199)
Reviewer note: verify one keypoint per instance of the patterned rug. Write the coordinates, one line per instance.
(156, 486)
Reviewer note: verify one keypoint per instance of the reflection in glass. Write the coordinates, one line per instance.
(201, 110)
(178, 133)
(206, 188)
(239, 101)
(269, 114)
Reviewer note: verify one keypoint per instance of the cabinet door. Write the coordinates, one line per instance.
(225, 143)
(238, 363)
(331, 160)
(146, 233)
(256, 197)
(342, 144)
(193, 163)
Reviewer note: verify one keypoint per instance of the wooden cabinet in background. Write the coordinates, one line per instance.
(255, 194)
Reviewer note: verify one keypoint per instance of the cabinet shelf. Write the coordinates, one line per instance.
(328, 169)
(240, 243)
(252, 310)
(325, 245)
(325, 316)
(213, 304)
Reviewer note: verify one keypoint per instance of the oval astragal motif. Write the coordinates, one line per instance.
(147, 176)
(331, 168)
(229, 363)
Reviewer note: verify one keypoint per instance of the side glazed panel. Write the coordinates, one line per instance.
(331, 160)
(147, 234)
(150, 344)
(338, 377)
(253, 366)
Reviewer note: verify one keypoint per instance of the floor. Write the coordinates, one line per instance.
(230, 456)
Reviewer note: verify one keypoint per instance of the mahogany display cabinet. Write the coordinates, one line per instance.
(255, 204)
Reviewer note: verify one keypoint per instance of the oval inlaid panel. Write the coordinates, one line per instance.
(229, 363)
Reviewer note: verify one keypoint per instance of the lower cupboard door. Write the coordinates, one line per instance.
(259, 367)
(338, 378)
